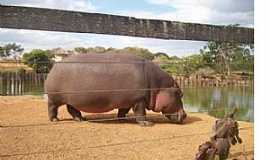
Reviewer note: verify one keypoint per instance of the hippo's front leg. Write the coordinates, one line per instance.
(122, 112)
(140, 114)
(77, 116)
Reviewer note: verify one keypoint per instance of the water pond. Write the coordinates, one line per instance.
(218, 101)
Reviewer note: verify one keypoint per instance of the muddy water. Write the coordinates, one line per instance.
(218, 101)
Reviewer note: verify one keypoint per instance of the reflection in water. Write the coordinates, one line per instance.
(219, 101)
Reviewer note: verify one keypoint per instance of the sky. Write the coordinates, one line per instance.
(216, 12)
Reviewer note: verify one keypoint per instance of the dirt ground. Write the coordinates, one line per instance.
(26, 133)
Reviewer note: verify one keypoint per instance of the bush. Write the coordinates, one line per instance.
(39, 60)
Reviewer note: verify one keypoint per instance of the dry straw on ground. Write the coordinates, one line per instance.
(26, 133)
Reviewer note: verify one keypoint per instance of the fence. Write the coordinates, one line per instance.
(16, 83)
(82, 22)
(212, 81)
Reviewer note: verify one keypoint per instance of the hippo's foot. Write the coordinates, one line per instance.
(55, 119)
(145, 123)
(122, 120)
(79, 119)
(76, 114)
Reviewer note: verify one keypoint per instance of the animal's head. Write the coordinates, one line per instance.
(168, 101)
(207, 150)
(228, 128)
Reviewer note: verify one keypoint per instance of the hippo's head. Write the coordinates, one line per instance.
(168, 101)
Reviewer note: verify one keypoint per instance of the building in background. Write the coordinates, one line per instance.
(60, 54)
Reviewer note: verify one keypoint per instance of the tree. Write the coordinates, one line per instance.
(243, 59)
(111, 49)
(11, 50)
(174, 58)
(99, 49)
(1, 51)
(141, 52)
(226, 57)
(159, 54)
(209, 54)
(81, 50)
(39, 60)
(190, 64)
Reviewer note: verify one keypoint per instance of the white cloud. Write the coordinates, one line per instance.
(222, 6)
(208, 11)
(47, 40)
(38, 39)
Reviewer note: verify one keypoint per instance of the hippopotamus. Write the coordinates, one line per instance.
(101, 82)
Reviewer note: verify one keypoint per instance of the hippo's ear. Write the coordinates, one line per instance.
(162, 100)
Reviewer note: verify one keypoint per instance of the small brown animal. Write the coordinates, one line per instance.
(227, 128)
(226, 132)
(209, 150)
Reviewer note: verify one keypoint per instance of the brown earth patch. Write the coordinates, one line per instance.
(26, 133)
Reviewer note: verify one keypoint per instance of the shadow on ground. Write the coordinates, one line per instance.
(112, 118)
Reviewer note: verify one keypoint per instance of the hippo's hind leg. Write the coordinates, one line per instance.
(140, 114)
(52, 111)
(77, 116)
